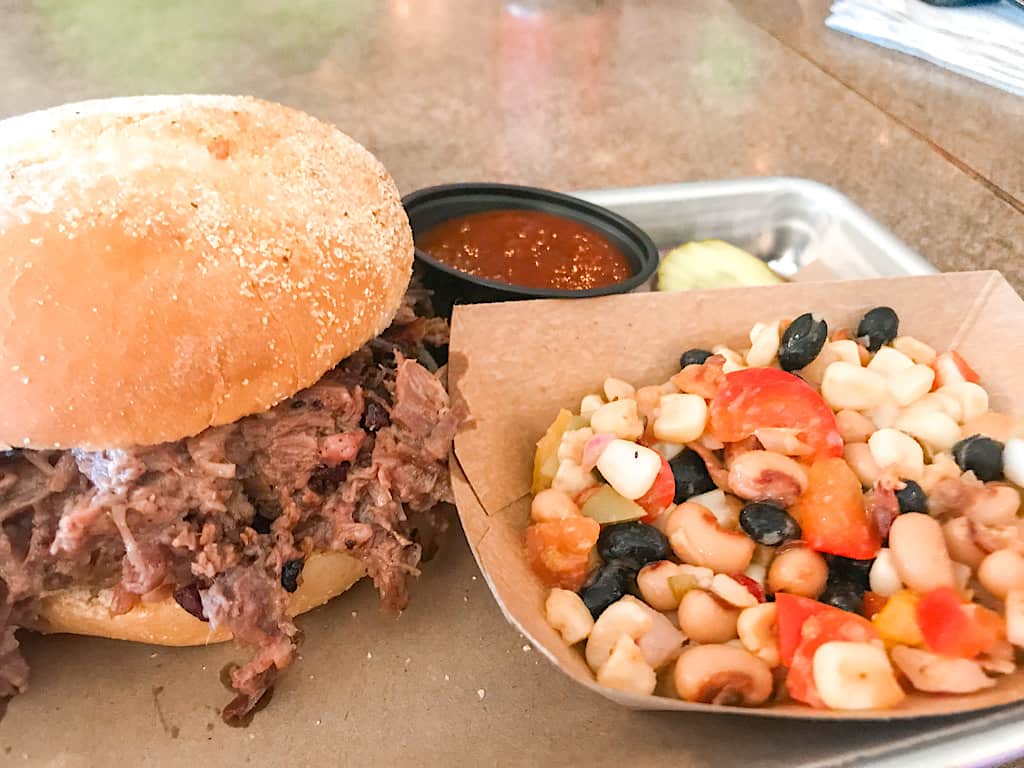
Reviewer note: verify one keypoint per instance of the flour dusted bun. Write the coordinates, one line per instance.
(172, 263)
(81, 611)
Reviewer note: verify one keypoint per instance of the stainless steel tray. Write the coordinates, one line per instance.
(793, 224)
(790, 223)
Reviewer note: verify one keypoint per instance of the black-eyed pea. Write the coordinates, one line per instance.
(767, 476)
(705, 619)
(757, 631)
(883, 577)
(652, 581)
(1002, 572)
(862, 462)
(722, 674)
(854, 427)
(552, 504)
(1014, 614)
(994, 504)
(697, 538)
(918, 548)
(798, 570)
(960, 544)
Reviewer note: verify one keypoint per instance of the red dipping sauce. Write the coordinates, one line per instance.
(533, 249)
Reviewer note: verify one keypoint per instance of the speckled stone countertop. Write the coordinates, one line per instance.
(575, 94)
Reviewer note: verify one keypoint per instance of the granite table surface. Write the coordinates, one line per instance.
(570, 95)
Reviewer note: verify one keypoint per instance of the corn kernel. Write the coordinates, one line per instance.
(888, 361)
(893, 448)
(620, 418)
(681, 418)
(846, 385)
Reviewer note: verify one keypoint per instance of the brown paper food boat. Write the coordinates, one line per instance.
(515, 364)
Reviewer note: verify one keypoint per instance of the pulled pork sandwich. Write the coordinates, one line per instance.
(213, 412)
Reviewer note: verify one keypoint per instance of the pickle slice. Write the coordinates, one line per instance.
(711, 264)
(608, 507)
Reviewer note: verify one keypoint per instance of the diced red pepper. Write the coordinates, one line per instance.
(832, 514)
(824, 627)
(792, 612)
(660, 495)
(953, 627)
(755, 398)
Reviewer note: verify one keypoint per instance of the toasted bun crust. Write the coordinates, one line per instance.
(84, 612)
(171, 263)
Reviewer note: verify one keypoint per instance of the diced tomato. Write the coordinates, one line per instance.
(950, 368)
(792, 612)
(752, 586)
(955, 628)
(873, 603)
(758, 398)
(832, 514)
(660, 495)
(824, 627)
(559, 551)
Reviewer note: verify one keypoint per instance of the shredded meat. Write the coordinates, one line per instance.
(356, 463)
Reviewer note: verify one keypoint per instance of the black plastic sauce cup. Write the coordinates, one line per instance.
(429, 207)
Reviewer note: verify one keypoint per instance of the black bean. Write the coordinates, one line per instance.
(844, 595)
(375, 416)
(290, 575)
(768, 524)
(846, 569)
(802, 342)
(609, 583)
(981, 455)
(878, 326)
(636, 542)
(188, 598)
(298, 403)
(691, 475)
(911, 498)
(693, 357)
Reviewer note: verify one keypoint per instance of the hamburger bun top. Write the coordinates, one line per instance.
(172, 263)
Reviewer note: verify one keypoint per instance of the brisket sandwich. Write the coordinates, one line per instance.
(217, 403)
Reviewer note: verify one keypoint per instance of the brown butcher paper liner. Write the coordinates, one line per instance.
(514, 365)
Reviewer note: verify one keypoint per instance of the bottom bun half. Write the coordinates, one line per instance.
(87, 612)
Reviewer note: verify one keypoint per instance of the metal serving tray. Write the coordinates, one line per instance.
(789, 223)
(792, 224)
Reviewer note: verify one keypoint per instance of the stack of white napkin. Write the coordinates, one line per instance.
(985, 42)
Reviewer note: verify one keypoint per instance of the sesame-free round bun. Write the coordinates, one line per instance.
(82, 611)
(171, 263)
